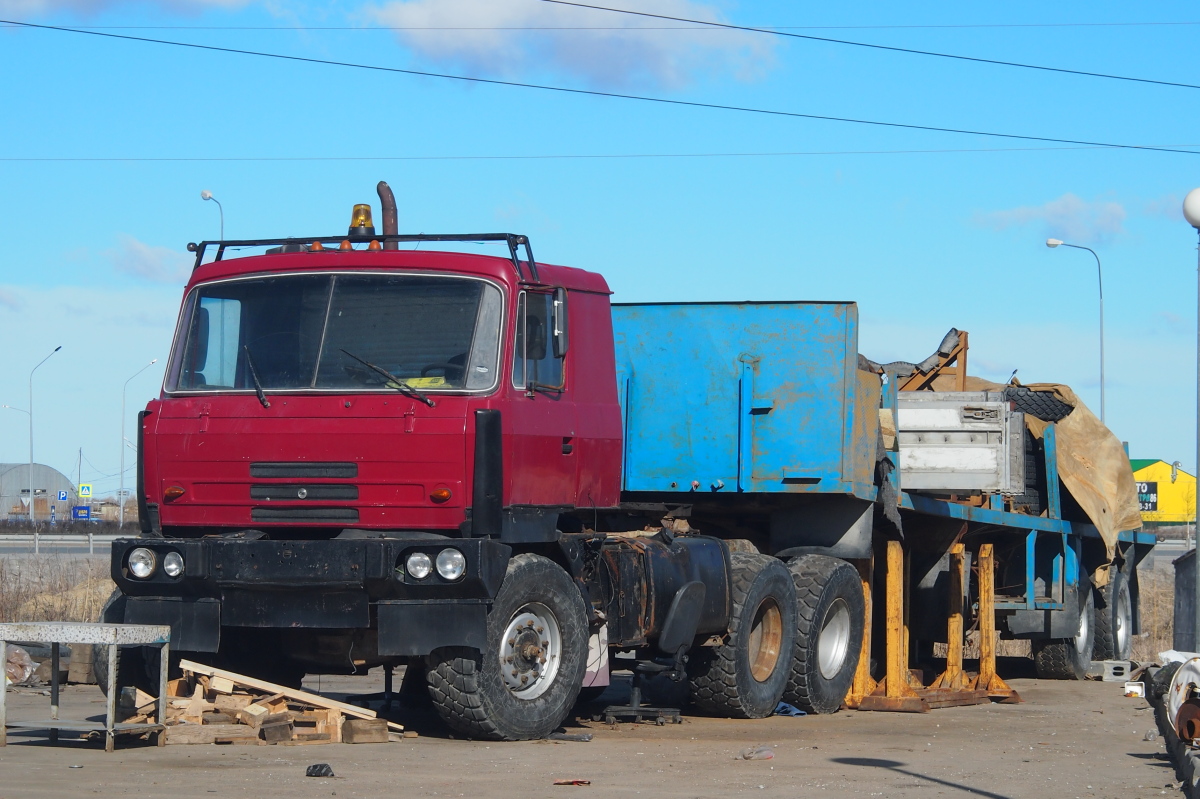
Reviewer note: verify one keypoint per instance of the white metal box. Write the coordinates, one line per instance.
(960, 441)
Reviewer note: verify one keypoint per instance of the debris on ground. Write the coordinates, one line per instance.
(578, 737)
(18, 666)
(784, 709)
(214, 706)
(319, 770)
(758, 753)
(572, 782)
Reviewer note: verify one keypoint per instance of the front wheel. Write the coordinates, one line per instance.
(829, 632)
(526, 682)
(745, 677)
(1069, 658)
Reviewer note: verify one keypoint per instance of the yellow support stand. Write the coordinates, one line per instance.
(895, 693)
(863, 685)
(988, 680)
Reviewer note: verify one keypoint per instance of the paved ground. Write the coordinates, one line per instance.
(1067, 740)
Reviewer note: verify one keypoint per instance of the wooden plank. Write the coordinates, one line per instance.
(208, 733)
(221, 685)
(315, 700)
(252, 715)
(365, 731)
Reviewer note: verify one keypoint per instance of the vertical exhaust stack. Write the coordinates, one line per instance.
(391, 225)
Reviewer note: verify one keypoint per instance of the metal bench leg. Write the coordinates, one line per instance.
(54, 689)
(164, 661)
(110, 718)
(3, 692)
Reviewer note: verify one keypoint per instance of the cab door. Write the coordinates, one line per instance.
(541, 417)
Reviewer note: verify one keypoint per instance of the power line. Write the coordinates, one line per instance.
(562, 157)
(596, 93)
(386, 28)
(910, 51)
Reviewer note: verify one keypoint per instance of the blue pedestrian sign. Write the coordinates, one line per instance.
(81, 513)
(62, 496)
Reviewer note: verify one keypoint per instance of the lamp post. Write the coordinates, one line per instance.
(32, 519)
(1191, 212)
(121, 491)
(208, 195)
(1052, 243)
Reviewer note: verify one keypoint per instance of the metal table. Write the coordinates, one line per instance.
(56, 633)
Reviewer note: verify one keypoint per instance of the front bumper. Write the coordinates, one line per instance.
(315, 585)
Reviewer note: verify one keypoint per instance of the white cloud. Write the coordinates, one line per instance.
(157, 264)
(32, 8)
(11, 300)
(603, 49)
(1068, 217)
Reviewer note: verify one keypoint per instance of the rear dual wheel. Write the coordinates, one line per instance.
(829, 632)
(745, 677)
(1069, 658)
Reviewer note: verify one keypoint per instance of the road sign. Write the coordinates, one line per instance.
(52, 520)
(81, 513)
(85, 490)
(62, 496)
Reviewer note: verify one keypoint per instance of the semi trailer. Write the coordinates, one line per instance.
(480, 468)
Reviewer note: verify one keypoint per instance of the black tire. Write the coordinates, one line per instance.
(1069, 658)
(830, 614)
(467, 687)
(1042, 405)
(745, 677)
(1032, 501)
(1114, 619)
(132, 669)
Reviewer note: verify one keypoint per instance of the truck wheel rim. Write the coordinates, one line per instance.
(1081, 638)
(766, 636)
(834, 641)
(1123, 622)
(530, 651)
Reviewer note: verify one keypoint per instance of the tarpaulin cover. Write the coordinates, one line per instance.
(1092, 464)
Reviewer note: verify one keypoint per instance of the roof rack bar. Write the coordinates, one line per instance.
(513, 240)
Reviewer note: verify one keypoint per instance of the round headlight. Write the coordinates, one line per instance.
(173, 564)
(141, 563)
(451, 564)
(419, 565)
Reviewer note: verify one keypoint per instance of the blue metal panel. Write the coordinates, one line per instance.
(738, 396)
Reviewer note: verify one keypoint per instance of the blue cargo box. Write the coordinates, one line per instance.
(759, 397)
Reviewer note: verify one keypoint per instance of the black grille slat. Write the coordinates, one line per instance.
(283, 492)
(304, 514)
(304, 470)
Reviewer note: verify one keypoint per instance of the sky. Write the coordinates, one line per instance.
(106, 144)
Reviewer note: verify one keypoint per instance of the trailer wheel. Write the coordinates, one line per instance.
(745, 677)
(526, 682)
(1114, 620)
(830, 615)
(1069, 658)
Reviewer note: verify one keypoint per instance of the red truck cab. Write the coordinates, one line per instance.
(280, 413)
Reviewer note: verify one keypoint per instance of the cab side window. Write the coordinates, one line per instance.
(540, 340)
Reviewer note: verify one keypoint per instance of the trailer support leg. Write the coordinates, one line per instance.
(952, 677)
(988, 680)
(895, 692)
(863, 685)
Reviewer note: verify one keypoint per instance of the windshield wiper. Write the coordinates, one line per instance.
(258, 389)
(395, 382)
(533, 385)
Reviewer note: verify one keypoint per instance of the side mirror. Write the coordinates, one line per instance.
(560, 322)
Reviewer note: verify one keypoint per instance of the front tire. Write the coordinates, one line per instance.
(526, 682)
(1114, 620)
(745, 677)
(829, 632)
(1069, 658)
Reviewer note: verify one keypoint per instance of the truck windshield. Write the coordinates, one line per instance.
(431, 332)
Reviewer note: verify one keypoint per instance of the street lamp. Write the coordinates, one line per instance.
(1191, 212)
(208, 195)
(1052, 243)
(121, 491)
(32, 520)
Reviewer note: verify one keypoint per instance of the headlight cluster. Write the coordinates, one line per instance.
(450, 565)
(143, 562)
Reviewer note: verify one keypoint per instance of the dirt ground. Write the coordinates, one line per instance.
(1066, 740)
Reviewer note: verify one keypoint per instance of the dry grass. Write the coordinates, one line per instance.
(1157, 604)
(53, 588)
